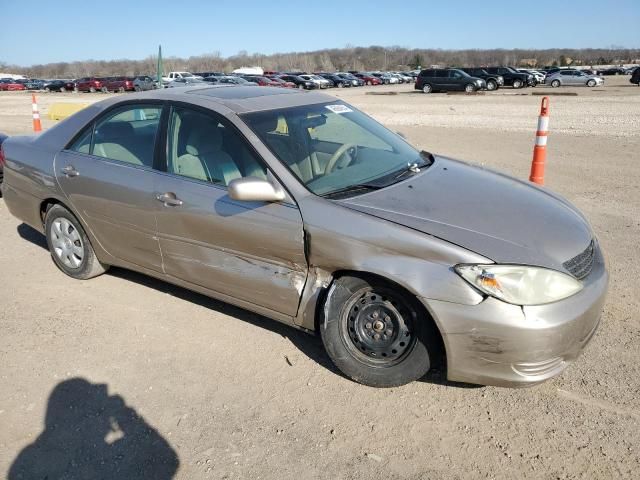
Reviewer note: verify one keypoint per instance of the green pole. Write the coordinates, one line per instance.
(160, 72)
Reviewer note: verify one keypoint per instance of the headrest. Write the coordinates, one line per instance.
(114, 130)
(204, 139)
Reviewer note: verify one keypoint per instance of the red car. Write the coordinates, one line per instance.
(9, 84)
(117, 84)
(281, 82)
(262, 81)
(368, 79)
(89, 84)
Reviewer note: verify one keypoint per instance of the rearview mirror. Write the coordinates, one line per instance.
(253, 189)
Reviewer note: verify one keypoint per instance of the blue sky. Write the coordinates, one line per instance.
(48, 31)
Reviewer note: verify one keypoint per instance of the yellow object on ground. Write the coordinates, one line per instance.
(58, 111)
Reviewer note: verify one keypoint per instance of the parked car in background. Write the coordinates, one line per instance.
(33, 84)
(171, 76)
(209, 74)
(3, 137)
(337, 80)
(319, 81)
(299, 81)
(448, 80)
(10, 85)
(282, 83)
(55, 86)
(539, 76)
(118, 84)
(144, 82)
(614, 71)
(635, 77)
(355, 81)
(367, 78)
(233, 80)
(513, 78)
(573, 78)
(261, 80)
(88, 84)
(493, 81)
(186, 82)
(303, 209)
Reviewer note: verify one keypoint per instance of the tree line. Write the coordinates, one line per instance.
(340, 59)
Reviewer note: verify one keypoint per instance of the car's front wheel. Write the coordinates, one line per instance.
(492, 85)
(377, 334)
(69, 245)
(555, 83)
(591, 83)
(426, 88)
(517, 84)
(469, 88)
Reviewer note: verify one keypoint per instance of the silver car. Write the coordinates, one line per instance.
(573, 78)
(299, 207)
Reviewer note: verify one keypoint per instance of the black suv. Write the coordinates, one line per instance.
(447, 80)
(635, 77)
(493, 81)
(512, 77)
(299, 81)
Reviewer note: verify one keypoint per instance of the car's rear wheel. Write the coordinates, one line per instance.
(377, 334)
(469, 88)
(63, 89)
(492, 85)
(426, 88)
(555, 83)
(69, 245)
(121, 90)
(340, 85)
(369, 83)
(517, 83)
(300, 86)
(591, 83)
(137, 88)
(47, 89)
(92, 90)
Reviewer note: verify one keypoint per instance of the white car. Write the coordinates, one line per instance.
(321, 82)
(539, 76)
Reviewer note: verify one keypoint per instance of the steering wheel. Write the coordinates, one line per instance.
(333, 161)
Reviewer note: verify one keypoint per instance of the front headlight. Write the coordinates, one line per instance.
(519, 284)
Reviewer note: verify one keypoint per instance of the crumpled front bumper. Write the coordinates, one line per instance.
(496, 343)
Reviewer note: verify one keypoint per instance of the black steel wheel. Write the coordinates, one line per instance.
(376, 333)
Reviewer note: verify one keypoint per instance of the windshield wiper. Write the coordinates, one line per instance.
(355, 189)
(415, 167)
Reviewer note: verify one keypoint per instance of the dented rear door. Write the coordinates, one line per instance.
(252, 251)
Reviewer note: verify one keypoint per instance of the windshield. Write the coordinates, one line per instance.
(186, 74)
(332, 147)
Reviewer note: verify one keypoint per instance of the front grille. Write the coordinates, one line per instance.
(580, 266)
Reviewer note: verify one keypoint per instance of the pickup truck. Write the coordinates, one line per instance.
(512, 77)
(175, 75)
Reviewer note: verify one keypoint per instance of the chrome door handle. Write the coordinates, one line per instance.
(169, 199)
(70, 171)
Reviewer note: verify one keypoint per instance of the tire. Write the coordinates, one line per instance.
(517, 83)
(369, 83)
(63, 89)
(340, 85)
(92, 90)
(591, 83)
(121, 90)
(492, 85)
(427, 88)
(377, 334)
(137, 88)
(301, 87)
(469, 88)
(69, 245)
(555, 83)
(104, 90)
(47, 89)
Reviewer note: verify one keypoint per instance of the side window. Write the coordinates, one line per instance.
(206, 147)
(128, 135)
(83, 143)
(455, 74)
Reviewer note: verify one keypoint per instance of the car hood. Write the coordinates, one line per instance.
(494, 215)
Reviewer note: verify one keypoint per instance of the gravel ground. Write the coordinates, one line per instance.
(198, 389)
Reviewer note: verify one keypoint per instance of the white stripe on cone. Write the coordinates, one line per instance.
(543, 124)
(541, 141)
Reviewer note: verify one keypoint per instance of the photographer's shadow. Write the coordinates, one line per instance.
(89, 434)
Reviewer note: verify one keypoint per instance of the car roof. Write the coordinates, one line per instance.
(237, 98)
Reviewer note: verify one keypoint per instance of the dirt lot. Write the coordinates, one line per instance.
(235, 395)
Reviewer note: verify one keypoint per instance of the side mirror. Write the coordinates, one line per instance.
(253, 189)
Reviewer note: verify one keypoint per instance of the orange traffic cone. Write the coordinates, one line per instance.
(540, 149)
(37, 126)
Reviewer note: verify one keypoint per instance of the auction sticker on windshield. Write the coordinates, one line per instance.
(339, 108)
